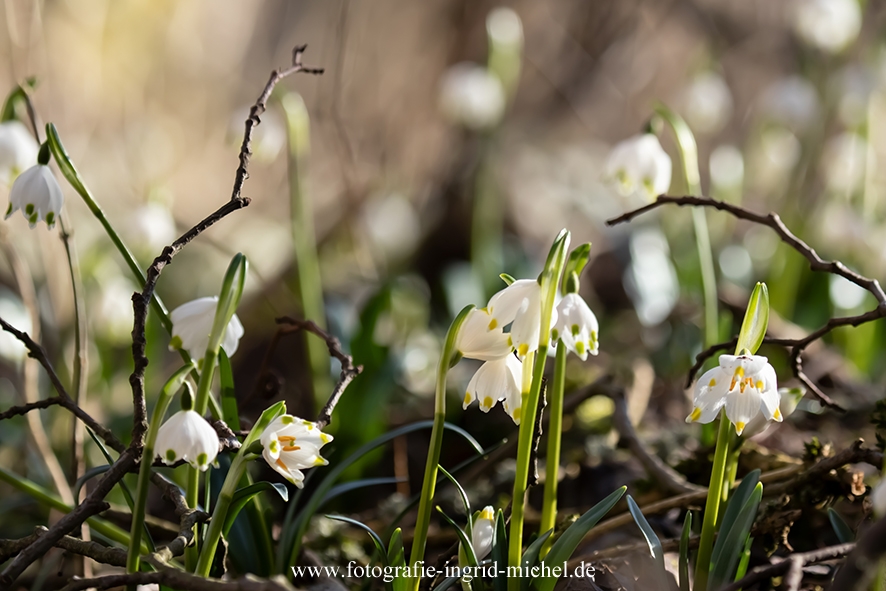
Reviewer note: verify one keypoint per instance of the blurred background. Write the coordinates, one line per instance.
(450, 142)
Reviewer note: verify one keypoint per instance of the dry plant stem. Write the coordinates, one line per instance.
(178, 579)
(792, 564)
(348, 372)
(816, 263)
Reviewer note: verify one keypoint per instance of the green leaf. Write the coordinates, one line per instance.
(684, 552)
(841, 528)
(530, 558)
(733, 509)
(379, 545)
(730, 543)
(575, 264)
(745, 560)
(230, 414)
(499, 551)
(756, 320)
(508, 279)
(569, 540)
(687, 148)
(396, 553)
(466, 503)
(244, 495)
(649, 534)
(466, 544)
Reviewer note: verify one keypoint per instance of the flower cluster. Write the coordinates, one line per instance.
(482, 337)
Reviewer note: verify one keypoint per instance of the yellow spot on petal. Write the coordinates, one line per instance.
(777, 414)
(712, 383)
(319, 462)
(487, 402)
(759, 384)
(487, 513)
(325, 438)
(516, 415)
(739, 371)
(739, 427)
(522, 350)
(493, 324)
(696, 414)
(468, 399)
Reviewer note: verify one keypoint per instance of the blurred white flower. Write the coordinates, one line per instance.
(268, 138)
(504, 27)
(148, 587)
(853, 86)
(746, 385)
(727, 167)
(475, 341)
(576, 327)
(482, 532)
(846, 295)
(471, 96)
(829, 25)
(790, 398)
(843, 162)
(651, 281)
(151, 228)
(498, 380)
(878, 499)
(192, 323)
(187, 436)
(112, 310)
(18, 150)
(792, 101)
(520, 304)
(291, 445)
(639, 166)
(707, 103)
(37, 194)
(13, 311)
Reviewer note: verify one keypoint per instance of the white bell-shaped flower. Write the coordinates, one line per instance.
(291, 444)
(639, 166)
(789, 398)
(18, 150)
(520, 304)
(498, 379)
(192, 324)
(830, 25)
(37, 194)
(476, 341)
(745, 385)
(472, 96)
(482, 532)
(187, 436)
(576, 326)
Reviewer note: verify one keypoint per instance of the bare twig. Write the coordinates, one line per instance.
(93, 550)
(181, 580)
(348, 372)
(793, 566)
(816, 263)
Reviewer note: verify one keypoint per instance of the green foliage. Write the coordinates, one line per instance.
(246, 494)
(756, 320)
(734, 529)
(841, 528)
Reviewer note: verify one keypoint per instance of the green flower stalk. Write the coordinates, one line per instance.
(548, 280)
(144, 473)
(448, 357)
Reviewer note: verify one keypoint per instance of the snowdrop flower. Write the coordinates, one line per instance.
(192, 323)
(576, 327)
(37, 194)
(830, 25)
(187, 436)
(482, 531)
(291, 444)
(476, 341)
(148, 587)
(499, 379)
(639, 166)
(789, 399)
(18, 149)
(472, 96)
(708, 103)
(520, 303)
(744, 384)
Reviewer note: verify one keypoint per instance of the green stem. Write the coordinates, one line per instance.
(144, 473)
(429, 482)
(552, 463)
(712, 505)
(109, 530)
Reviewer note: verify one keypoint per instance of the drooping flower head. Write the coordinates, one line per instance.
(37, 194)
(520, 304)
(18, 150)
(482, 532)
(192, 325)
(476, 341)
(291, 444)
(576, 326)
(639, 166)
(498, 380)
(745, 385)
(187, 436)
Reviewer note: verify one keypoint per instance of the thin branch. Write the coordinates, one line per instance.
(348, 372)
(816, 263)
(794, 563)
(181, 580)
(93, 550)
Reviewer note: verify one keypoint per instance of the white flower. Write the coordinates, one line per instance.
(576, 327)
(878, 499)
(292, 444)
(476, 341)
(744, 384)
(192, 323)
(18, 149)
(472, 96)
(187, 436)
(148, 587)
(482, 531)
(789, 399)
(151, 227)
(499, 379)
(708, 103)
(37, 194)
(830, 25)
(520, 303)
(639, 166)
